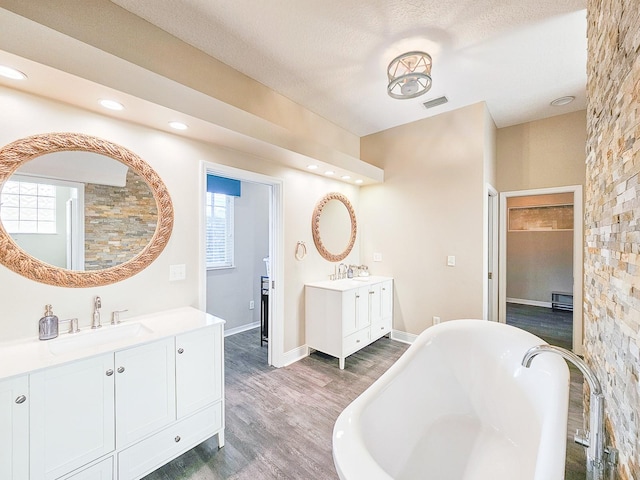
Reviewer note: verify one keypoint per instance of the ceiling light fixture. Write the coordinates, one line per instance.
(329, 172)
(11, 73)
(558, 102)
(409, 75)
(312, 167)
(178, 125)
(346, 177)
(111, 104)
(359, 181)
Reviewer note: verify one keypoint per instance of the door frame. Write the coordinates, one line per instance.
(276, 250)
(490, 261)
(578, 223)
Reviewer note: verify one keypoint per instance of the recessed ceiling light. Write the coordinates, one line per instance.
(111, 104)
(329, 172)
(558, 102)
(345, 177)
(312, 167)
(358, 181)
(178, 125)
(11, 73)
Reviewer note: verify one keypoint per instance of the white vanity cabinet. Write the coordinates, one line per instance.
(72, 416)
(14, 427)
(145, 390)
(116, 411)
(343, 316)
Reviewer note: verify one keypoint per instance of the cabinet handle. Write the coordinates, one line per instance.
(21, 399)
(120, 369)
(181, 351)
(177, 439)
(381, 328)
(109, 372)
(358, 341)
(357, 296)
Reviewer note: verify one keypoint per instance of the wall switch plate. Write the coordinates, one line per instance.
(177, 272)
(252, 305)
(436, 320)
(377, 257)
(451, 261)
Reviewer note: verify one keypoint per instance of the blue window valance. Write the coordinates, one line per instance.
(226, 186)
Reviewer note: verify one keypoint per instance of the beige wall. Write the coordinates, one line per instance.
(178, 162)
(430, 206)
(544, 153)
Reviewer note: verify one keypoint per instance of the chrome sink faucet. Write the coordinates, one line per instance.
(593, 440)
(97, 305)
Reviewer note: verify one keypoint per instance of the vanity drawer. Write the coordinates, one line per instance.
(380, 329)
(354, 342)
(155, 451)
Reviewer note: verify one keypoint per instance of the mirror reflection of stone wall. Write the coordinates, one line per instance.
(119, 221)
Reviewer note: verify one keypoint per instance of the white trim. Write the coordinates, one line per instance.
(490, 242)
(294, 355)
(577, 255)
(276, 353)
(533, 303)
(404, 337)
(241, 328)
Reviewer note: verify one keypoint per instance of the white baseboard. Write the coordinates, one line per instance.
(533, 303)
(403, 337)
(294, 355)
(241, 328)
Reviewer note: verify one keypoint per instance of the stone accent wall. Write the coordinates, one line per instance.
(119, 221)
(612, 220)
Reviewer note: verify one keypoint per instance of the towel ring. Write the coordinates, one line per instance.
(301, 250)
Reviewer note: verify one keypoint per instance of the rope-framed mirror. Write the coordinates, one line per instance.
(18, 153)
(334, 227)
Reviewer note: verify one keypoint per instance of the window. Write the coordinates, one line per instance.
(219, 239)
(28, 207)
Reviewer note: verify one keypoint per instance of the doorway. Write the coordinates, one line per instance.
(259, 261)
(534, 220)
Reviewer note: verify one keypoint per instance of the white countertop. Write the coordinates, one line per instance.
(25, 356)
(348, 283)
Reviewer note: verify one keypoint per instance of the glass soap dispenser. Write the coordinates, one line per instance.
(48, 325)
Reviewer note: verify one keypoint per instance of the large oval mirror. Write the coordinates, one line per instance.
(334, 227)
(79, 211)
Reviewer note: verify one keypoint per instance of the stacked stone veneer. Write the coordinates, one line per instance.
(119, 221)
(612, 220)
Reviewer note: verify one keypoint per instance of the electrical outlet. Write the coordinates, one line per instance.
(377, 257)
(451, 261)
(436, 320)
(252, 305)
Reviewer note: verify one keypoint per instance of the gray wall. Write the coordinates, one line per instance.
(229, 291)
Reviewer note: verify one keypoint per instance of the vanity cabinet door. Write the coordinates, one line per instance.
(375, 303)
(14, 428)
(145, 390)
(386, 299)
(355, 310)
(199, 360)
(72, 416)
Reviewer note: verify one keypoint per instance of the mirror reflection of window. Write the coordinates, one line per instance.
(41, 215)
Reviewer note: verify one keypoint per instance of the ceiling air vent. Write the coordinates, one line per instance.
(435, 102)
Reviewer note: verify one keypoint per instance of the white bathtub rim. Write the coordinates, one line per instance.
(351, 457)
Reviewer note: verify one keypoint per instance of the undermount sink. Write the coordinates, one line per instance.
(100, 336)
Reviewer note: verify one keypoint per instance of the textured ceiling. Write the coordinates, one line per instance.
(331, 56)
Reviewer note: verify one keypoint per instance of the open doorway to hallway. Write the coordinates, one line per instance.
(541, 263)
(240, 235)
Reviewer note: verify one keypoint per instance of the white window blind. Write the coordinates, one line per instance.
(219, 239)
(28, 207)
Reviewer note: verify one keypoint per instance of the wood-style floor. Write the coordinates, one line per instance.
(556, 328)
(279, 422)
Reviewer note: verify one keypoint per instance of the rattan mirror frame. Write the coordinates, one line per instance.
(315, 227)
(13, 155)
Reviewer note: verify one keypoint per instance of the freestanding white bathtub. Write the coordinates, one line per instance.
(458, 405)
